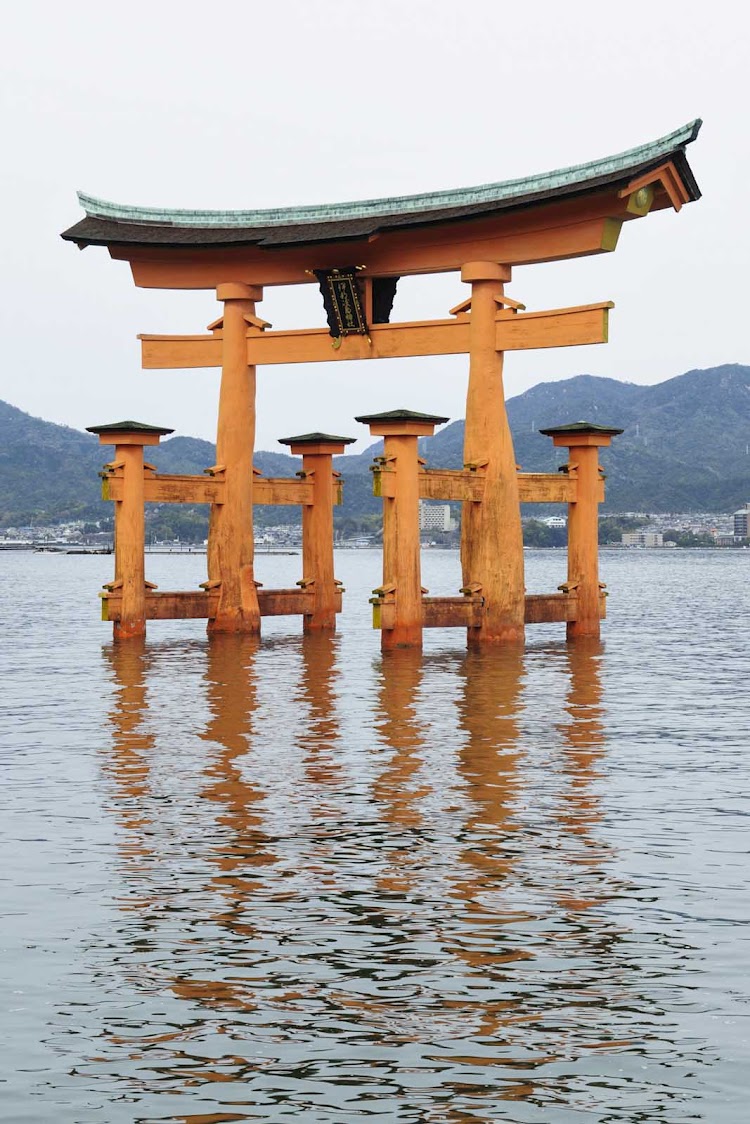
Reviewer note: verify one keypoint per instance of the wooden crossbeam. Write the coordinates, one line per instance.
(169, 489)
(202, 604)
(450, 484)
(561, 327)
(451, 612)
(285, 490)
(466, 611)
(466, 484)
(567, 229)
(282, 490)
(546, 487)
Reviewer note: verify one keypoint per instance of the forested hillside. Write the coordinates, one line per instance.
(686, 447)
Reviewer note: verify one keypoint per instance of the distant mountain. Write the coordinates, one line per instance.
(685, 448)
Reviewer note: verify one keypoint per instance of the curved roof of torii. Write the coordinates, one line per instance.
(111, 223)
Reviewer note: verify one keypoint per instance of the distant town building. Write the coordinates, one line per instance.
(742, 522)
(555, 521)
(642, 538)
(435, 516)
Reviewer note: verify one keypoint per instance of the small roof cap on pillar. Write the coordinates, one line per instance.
(401, 416)
(581, 427)
(317, 439)
(129, 427)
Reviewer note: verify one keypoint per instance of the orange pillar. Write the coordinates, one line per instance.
(400, 599)
(230, 536)
(491, 538)
(583, 441)
(129, 438)
(317, 451)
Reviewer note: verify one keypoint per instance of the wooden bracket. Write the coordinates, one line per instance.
(384, 590)
(215, 470)
(214, 583)
(256, 321)
(508, 302)
(464, 306)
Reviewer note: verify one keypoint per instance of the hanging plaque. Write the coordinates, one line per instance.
(342, 299)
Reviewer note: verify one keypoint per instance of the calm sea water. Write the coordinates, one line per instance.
(296, 881)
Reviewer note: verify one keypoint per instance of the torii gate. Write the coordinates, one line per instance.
(358, 251)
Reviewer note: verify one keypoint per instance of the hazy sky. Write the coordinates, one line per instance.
(295, 101)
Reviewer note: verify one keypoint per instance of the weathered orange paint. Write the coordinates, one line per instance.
(230, 536)
(583, 530)
(402, 581)
(130, 531)
(583, 541)
(317, 536)
(491, 539)
(556, 327)
(202, 603)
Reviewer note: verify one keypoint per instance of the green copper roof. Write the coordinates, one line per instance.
(317, 439)
(401, 415)
(404, 205)
(580, 427)
(128, 427)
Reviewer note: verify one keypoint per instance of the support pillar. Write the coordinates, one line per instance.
(583, 441)
(491, 537)
(230, 536)
(317, 451)
(399, 604)
(129, 438)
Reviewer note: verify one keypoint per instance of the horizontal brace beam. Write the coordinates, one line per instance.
(199, 489)
(161, 606)
(549, 608)
(466, 612)
(516, 331)
(168, 489)
(452, 612)
(166, 353)
(286, 490)
(546, 487)
(462, 485)
(203, 604)
(560, 327)
(450, 484)
(288, 602)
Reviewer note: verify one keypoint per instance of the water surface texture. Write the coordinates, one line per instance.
(294, 880)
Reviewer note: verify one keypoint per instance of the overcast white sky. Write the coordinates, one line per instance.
(295, 101)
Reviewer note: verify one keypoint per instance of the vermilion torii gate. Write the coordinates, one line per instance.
(358, 251)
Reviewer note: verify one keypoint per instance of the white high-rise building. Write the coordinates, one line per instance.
(435, 516)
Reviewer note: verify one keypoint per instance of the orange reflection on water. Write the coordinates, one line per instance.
(399, 676)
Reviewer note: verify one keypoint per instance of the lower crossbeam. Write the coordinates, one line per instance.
(203, 604)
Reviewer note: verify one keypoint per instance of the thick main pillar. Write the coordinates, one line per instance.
(129, 585)
(230, 537)
(317, 451)
(491, 537)
(400, 597)
(583, 441)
